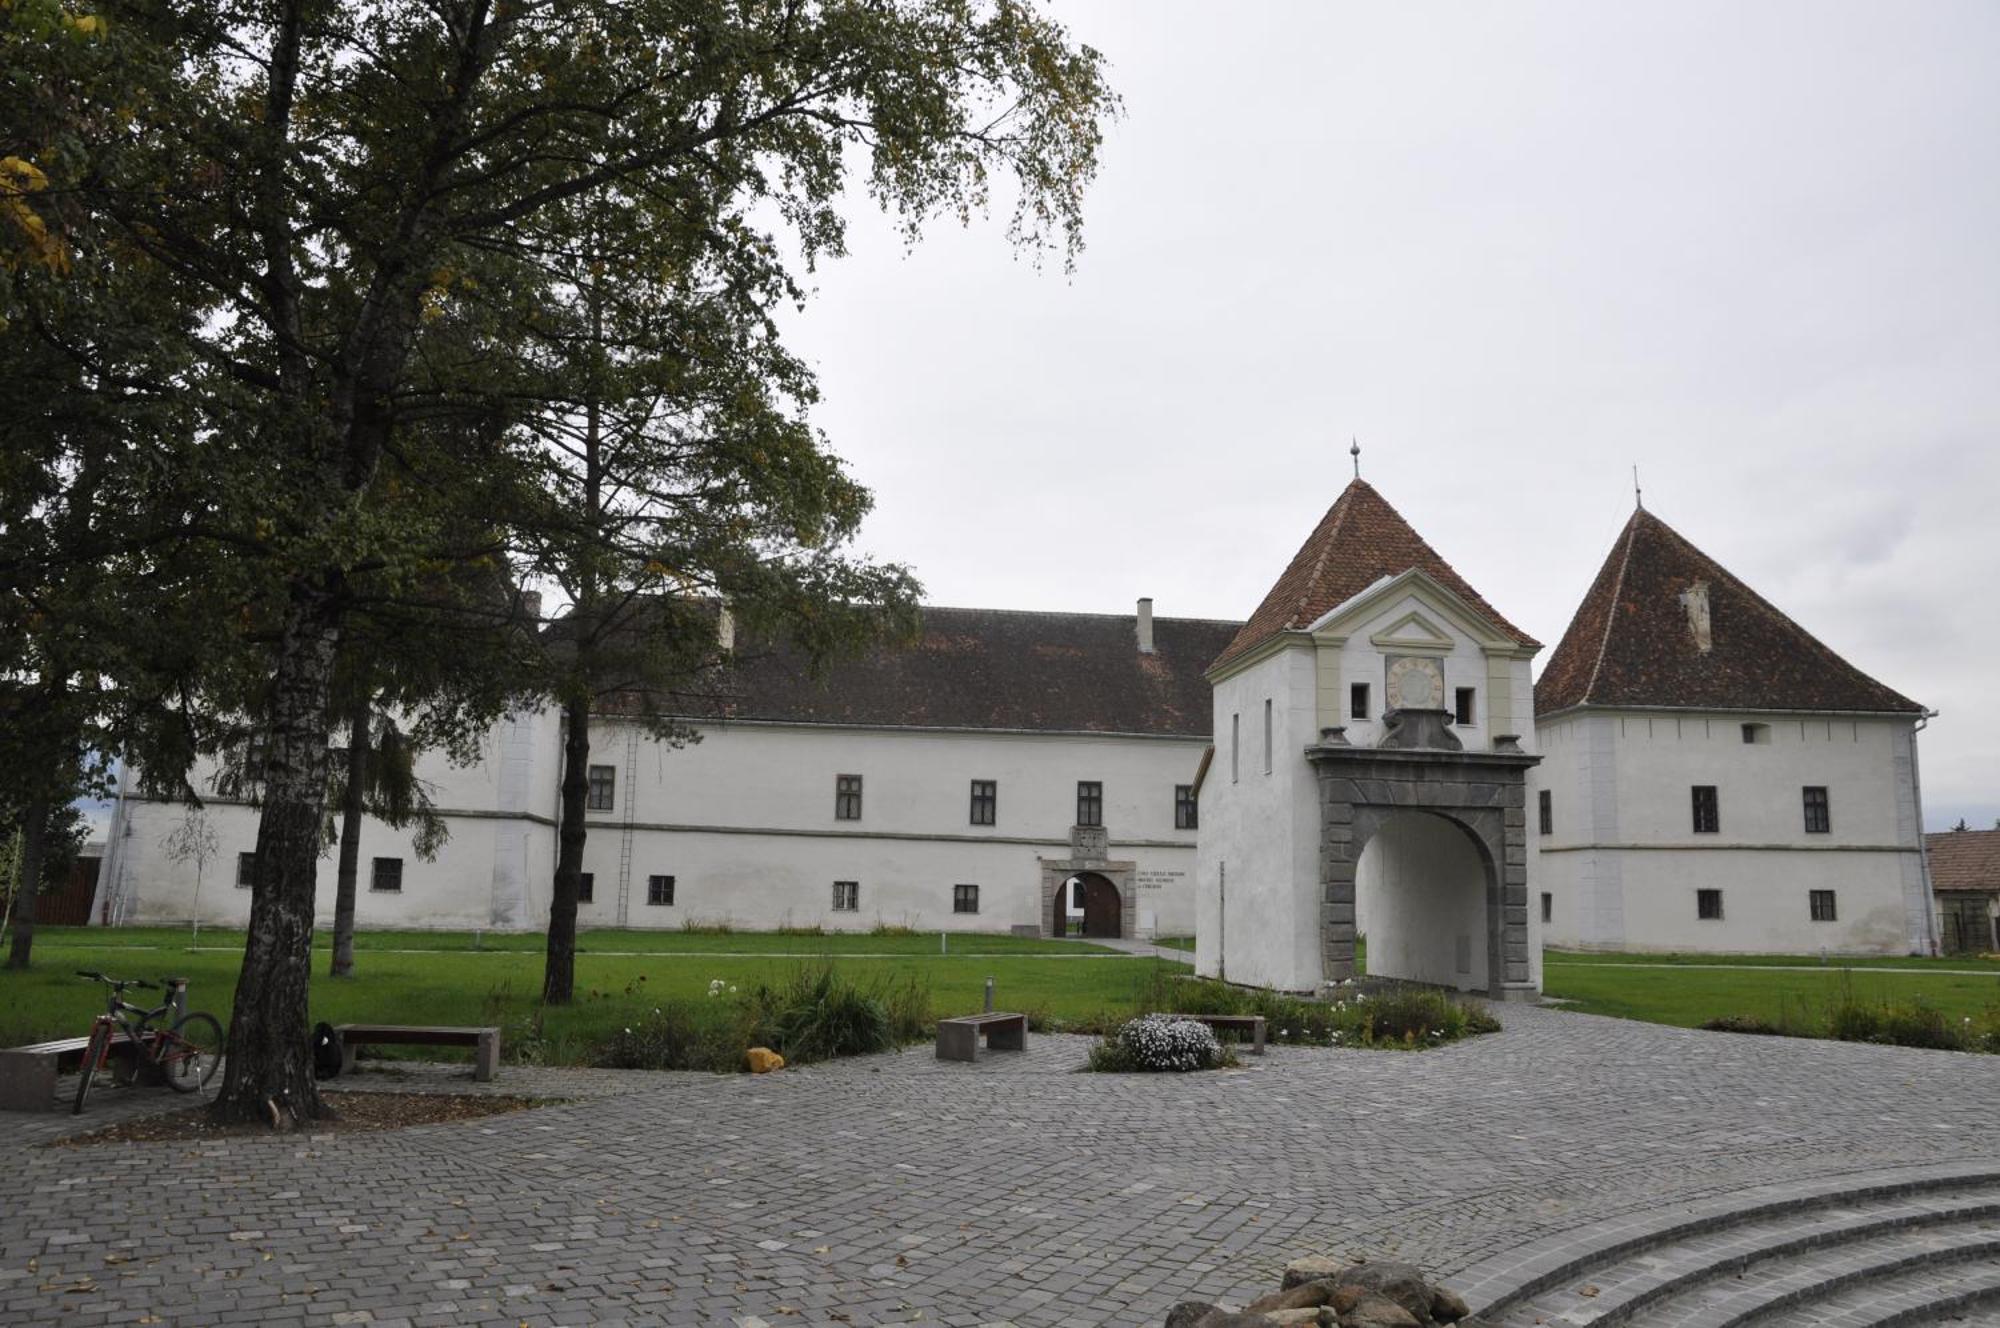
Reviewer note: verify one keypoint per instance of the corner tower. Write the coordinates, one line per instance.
(1374, 725)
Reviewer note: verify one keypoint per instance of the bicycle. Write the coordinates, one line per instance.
(186, 1052)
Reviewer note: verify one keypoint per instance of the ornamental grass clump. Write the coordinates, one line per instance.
(1159, 1045)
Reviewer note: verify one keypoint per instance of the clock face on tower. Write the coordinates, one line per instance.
(1416, 682)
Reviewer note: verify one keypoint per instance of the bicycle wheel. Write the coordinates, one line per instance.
(190, 1051)
(92, 1054)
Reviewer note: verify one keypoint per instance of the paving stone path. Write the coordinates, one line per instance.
(898, 1189)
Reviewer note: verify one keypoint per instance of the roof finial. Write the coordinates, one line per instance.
(1355, 452)
(1638, 494)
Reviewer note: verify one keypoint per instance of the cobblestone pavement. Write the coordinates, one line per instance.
(899, 1189)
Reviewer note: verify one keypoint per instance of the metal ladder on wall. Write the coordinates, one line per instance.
(631, 777)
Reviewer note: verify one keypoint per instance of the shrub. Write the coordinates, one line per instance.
(679, 1036)
(817, 1014)
(891, 929)
(1400, 1017)
(697, 927)
(1918, 1023)
(1162, 1045)
(1851, 1020)
(1742, 1023)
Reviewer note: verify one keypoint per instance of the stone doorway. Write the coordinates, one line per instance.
(1449, 876)
(1102, 907)
(1110, 901)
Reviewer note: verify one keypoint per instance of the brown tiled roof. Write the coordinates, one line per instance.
(982, 669)
(1965, 859)
(1360, 540)
(1630, 643)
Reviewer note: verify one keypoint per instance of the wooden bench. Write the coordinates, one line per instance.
(485, 1041)
(1253, 1024)
(28, 1074)
(958, 1039)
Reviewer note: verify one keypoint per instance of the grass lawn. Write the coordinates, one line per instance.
(1175, 943)
(1688, 996)
(1987, 964)
(501, 985)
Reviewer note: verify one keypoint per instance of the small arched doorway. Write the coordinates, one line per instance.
(1090, 905)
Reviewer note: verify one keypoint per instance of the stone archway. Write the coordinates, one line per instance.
(1117, 911)
(1422, 767)
(1103, 905)
(1420, 899)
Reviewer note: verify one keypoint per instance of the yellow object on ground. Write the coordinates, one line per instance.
(763, 1060)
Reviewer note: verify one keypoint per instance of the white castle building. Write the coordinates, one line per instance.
(1366, 756)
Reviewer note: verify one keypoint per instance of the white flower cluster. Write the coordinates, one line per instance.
(1167, 1043)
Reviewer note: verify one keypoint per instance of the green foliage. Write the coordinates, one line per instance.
(694, 926)
(1846, 1015)
(1400, 1017)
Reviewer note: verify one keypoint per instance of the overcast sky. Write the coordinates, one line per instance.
(1515, 250)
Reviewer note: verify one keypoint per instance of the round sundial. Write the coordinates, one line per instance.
(1415, 683)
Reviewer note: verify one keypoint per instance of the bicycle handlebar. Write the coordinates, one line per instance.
(118, 982)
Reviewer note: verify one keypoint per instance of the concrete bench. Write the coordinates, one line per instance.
(1253, 1024)
(28, 1074)
(958, 1039)
(485, 1041)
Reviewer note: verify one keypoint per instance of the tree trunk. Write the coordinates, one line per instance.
(34, 847)
(350, 840)
(268, 1072)
(559, 974)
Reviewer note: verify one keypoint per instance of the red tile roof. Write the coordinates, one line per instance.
(1360, 540)
(1631, 643)
(1965, 860)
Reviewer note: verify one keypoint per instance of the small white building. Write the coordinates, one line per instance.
(1715, 778)
(1374, 722)
(957, 784)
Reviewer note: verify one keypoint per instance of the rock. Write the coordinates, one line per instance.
(1225, 1319)
(1189, 1313)
(1447, 1306)
(1306, 1295)
(1345, 1297)
(1401, 1282)
(1375, 1310)
(763, 1060)
(1312, 1269)
(1294, 1318)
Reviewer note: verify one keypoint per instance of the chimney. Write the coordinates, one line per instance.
(725, 629)
(1146, 625)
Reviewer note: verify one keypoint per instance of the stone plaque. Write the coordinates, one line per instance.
(1089, 843)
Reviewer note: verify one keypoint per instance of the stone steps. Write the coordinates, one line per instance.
(1950, 1293)
(1730, 1266)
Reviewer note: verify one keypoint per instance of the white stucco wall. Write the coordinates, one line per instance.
(744, 821)
(1257, 911)
(1420, 898)
(1623, 862)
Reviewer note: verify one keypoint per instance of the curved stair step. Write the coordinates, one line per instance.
(1922, 1295)
(1766, 1249)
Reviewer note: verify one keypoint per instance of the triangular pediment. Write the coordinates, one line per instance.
(1413, 631)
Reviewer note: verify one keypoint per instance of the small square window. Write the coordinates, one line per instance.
(965, 899)
(660, 891)
(1819, 816)
(1462, 709)
(1357, 700)
(586, 887)
(1707, 818)
(387, 875)
(1545, 806)
(1708, 905)
(985, 801)
(847, 797)
(1548, 907)
(846, 896)
(1757, 735)
(603, 796)
(1089, 802)
(1823, 909)
(1187, 816)
(246, 870)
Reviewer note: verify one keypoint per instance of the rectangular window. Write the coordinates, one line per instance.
(847, 797)
(387, 875)
(1462, 710)
(1819, 816)
(985, 800)
(1545, 804)
(846, 896)
(1089, 802)
(586, 887)
(1822, 906)
(246, 870)
(965, 899)
(603, 794)
(1235, 733)
(660, 891)
(1357, 700)
(1548, 907)
(1708, 905)
(1185, 815)
(1707, 820)
(1267, 735)
(1757, 734)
